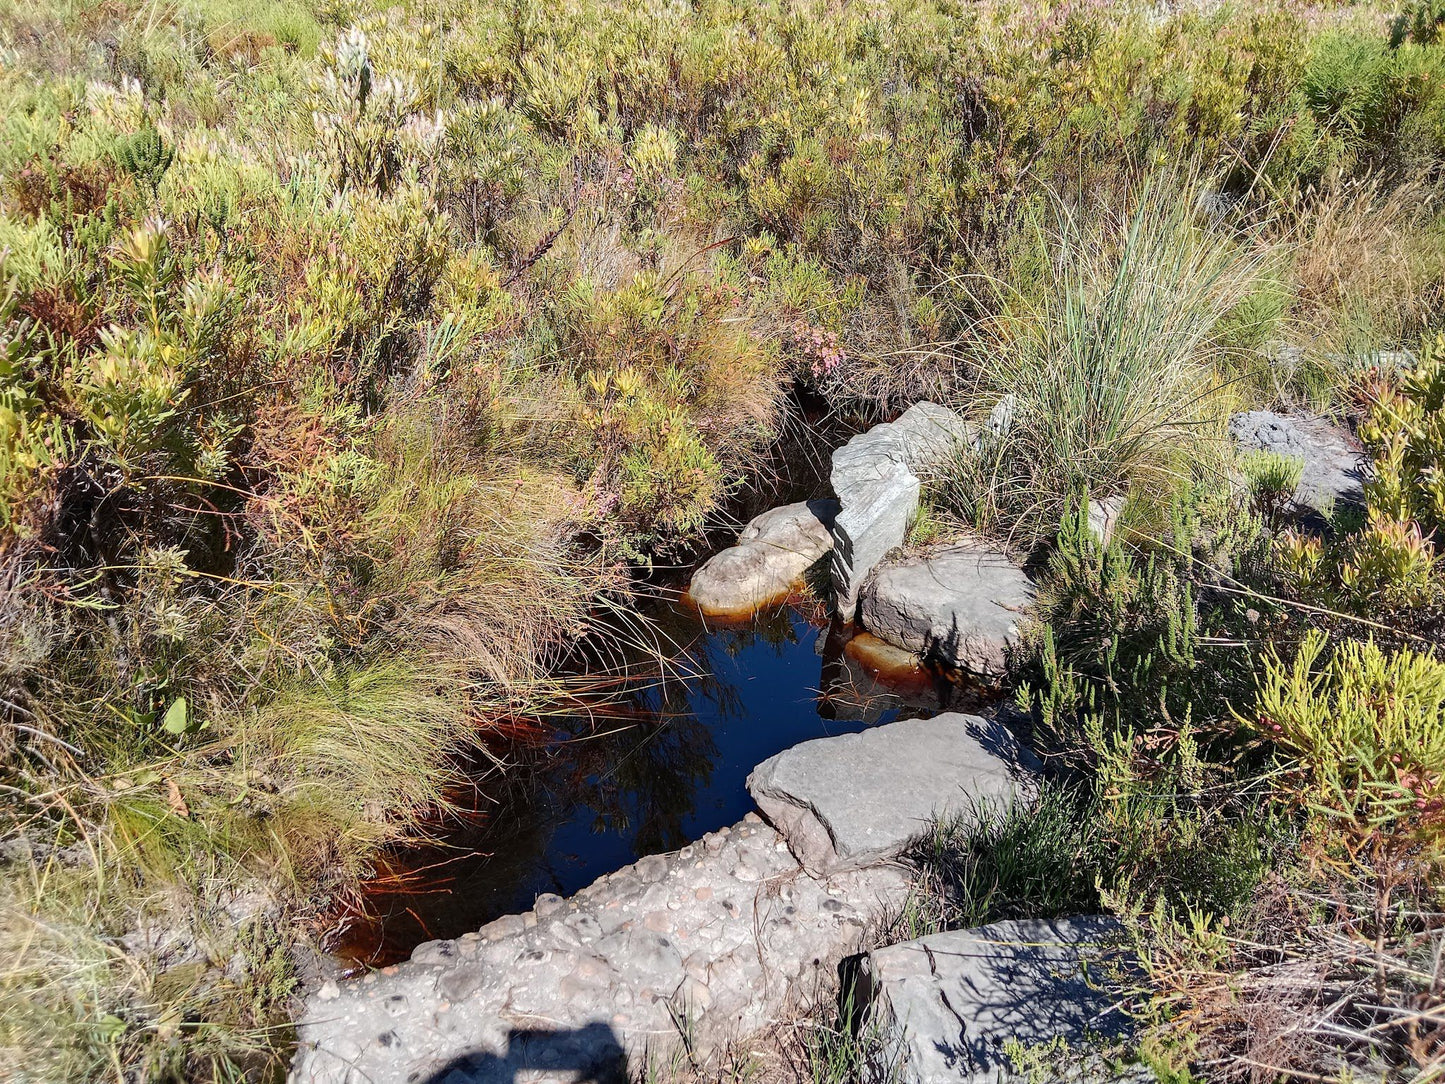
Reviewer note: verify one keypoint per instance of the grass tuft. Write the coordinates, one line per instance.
(1103, 380)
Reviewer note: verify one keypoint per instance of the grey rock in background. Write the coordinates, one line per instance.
(1334, 465)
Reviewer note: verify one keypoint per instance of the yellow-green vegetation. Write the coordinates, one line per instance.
(1252, 718)
(351, 352)
(1391, 560)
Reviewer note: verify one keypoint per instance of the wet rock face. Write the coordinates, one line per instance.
(770, 558)
(876, 478)
(1334, 465)
(727, 934)
(859, 799)
(960, 606)
(948, 1005)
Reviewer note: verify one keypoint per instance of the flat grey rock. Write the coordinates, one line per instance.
(770, 558)
(1334, 465)
(728, 933)
(876, 477)
(948, 1005)
(859, 799)
(960, 606)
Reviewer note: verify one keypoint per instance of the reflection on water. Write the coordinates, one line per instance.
(663, 760)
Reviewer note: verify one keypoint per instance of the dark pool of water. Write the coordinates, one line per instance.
(656, 763)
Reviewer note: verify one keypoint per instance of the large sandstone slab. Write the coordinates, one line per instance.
(1334, 465)
(726, 937)
(960, 606)
(858, 799)
(876, 478)
(769, 560)
(948, 1006)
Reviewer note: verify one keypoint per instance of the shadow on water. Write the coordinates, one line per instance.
(659, 762)
(592, 1054)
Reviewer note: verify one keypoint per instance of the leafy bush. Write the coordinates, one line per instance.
(1127, 673)
(1420, 22)
(1366, 733)
(146, 156)
(1333, 967)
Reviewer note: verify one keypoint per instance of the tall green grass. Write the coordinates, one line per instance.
(1104, 370)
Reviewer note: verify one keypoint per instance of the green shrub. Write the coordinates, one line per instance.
(1388, 566)
(1128, 672)
(1420, 22)
(146, 156)
(1365, 732)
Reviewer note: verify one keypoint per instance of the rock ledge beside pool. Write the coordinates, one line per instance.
(769, 561)
(859, 799)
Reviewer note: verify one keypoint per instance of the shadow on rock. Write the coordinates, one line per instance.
(591, 1054)
(953, 1003)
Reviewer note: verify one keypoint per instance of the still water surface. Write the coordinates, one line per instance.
(660, 761)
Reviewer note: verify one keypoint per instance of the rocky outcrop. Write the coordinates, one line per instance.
(1334, 465)
(876, 479)
(722, 940)
(948, 1005)
(722, 937)
(858, 799)
(960, 606)
(769, 560)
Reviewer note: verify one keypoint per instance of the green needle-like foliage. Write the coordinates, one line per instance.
(1366, 732)
(146, 156)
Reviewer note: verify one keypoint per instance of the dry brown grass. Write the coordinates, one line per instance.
(1364, 273)
(1331, 980)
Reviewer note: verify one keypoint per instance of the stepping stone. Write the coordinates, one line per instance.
(859, 799)
(960, 606)
(949, 1006)
(1334, 465)
(769, 560)
(728, 933)
(876, 478)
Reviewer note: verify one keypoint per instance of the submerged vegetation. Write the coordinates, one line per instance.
(351, 354)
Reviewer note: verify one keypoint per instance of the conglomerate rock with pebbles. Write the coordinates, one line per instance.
(716, 941)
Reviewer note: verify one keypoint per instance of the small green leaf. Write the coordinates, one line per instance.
(111, 1027)
(178, 717)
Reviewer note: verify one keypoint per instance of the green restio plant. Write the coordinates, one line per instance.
(1110, 371)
